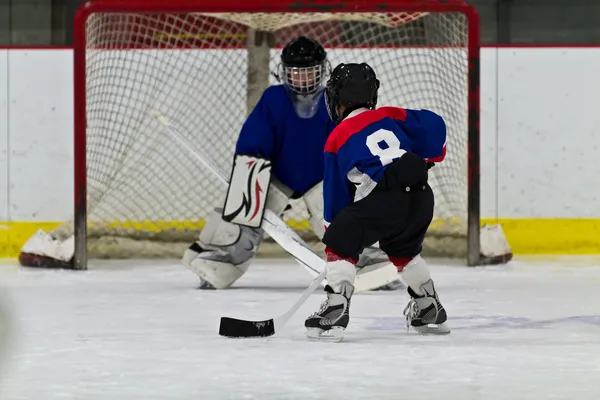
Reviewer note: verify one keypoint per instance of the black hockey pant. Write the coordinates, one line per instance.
(397, 214)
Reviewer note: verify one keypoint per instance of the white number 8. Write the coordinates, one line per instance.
(388, 154)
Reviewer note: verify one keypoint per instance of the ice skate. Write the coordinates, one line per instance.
(329, 323)
(425, 313)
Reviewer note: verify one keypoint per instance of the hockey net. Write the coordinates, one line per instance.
(204, 70)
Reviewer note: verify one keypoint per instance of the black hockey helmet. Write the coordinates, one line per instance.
(352, 86)
(303, 63)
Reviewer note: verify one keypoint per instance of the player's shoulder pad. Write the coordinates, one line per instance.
(351, 126)
(395, 113)
(434, 121)
(428, 128)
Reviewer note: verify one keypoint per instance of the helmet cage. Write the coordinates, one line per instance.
(303, 80)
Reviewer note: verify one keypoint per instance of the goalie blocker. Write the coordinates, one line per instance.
(247, 193)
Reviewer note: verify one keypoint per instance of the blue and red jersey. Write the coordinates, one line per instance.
(361, 147)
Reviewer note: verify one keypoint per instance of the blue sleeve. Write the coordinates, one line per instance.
(428, 131)
(257, 137)
(336, 190)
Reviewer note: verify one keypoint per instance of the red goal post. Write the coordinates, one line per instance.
(131, 57)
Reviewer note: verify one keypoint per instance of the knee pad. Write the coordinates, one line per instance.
(345, 235)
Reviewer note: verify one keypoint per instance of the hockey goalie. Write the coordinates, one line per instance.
(278, 157)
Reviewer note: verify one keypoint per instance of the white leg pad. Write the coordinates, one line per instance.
(416, 273)
(217, 232)
(219, 274)
(339, 273)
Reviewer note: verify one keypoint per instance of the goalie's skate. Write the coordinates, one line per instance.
(328, 324)
(425, 313)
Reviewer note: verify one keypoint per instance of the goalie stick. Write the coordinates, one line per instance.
(281, 233)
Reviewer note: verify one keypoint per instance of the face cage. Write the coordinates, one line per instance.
(304, 80)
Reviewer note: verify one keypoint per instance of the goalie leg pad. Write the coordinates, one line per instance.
(214, 268)
(372, 255)
(222, 267)
(217, 233)
(247, 193)
(373, 258)
(223, 252)
(314, 204)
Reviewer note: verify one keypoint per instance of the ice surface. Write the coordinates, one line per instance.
(141, 330)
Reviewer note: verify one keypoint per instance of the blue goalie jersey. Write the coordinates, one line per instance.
(362, 145)
(294, 145)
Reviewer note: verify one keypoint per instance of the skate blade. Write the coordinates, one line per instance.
(433, 329)
(335, 334)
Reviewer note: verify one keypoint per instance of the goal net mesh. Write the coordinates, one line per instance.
(149, 197)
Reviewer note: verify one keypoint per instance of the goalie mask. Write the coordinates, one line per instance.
(303, 68)
(352, 86)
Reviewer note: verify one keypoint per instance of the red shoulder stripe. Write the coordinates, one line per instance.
(350, 126)
(396, 113)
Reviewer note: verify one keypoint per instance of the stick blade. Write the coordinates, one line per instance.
(239, 328)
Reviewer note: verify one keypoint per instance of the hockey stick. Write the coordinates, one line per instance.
(239, 328)
(279, 231)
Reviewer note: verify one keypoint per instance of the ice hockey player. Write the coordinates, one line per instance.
(280, 148)
(375, 190)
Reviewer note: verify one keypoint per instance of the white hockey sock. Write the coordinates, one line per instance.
(415, 274)
(338, 273)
